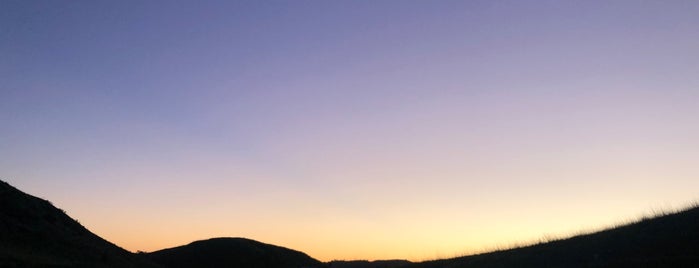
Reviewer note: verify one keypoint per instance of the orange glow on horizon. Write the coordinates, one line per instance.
(416, 239)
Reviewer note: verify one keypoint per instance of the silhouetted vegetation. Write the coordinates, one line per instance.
(666, 241)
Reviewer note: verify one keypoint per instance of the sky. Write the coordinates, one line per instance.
(351, 129)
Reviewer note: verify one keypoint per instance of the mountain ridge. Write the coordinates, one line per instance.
(34, 233)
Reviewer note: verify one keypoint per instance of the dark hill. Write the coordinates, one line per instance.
(368, 264)
(666, 241)
(232, 252)
(34, 233)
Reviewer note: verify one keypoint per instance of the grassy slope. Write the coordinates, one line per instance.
(34, 233)
(665, 241)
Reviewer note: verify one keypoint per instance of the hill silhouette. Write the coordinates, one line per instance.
(664, 241)
(34, 233)
(232, 252)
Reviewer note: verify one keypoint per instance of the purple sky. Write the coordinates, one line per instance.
(350, 129)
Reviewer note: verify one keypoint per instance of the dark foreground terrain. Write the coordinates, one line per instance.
(34, 233)
(664, 241)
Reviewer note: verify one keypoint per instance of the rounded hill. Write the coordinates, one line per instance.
(232, 252)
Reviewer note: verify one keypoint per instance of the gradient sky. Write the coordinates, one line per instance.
(351, 129)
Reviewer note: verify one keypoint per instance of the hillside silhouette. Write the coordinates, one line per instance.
(231, 252)
(34, 233)
(664, 241)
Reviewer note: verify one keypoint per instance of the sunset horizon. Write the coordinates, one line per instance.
(351, 130)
